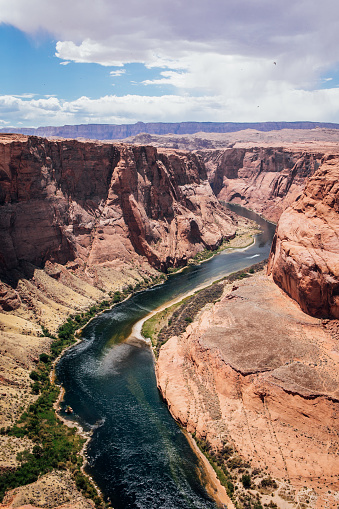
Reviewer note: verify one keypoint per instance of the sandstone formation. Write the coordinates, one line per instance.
(79, 221)
(113, 132)
(263, 171)
(265, 179)
(93, 203)
(254, 374)
(304, 259)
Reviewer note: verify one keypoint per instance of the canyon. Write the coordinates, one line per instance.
(80, 220)
(278, 400)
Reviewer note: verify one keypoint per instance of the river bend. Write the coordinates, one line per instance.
(138, 455)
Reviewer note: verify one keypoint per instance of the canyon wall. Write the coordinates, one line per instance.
(258, 379)
(304, 259)
(79, 221)
(255, 375)
(264, 179)
(95, 203)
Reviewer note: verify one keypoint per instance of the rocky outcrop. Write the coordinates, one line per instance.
(55, 490)
(95, 203)
(255, 376)
(304, 259)
(9, 298)
(264, 179)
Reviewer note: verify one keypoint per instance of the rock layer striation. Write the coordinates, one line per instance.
(95, 202)
(304, 259)
(264, 179)
(256, 375)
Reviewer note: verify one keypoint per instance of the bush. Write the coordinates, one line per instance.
(268, 482)
(117, 297)
(34, 375)
(44, 358)
(246, 480)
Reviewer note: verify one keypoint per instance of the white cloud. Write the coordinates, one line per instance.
(118, 72)
(217, 56)
(112, 33)
(25, 96)
(292, 105)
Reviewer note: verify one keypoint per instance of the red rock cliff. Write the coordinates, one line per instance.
(304, 259)
(264, 179)
(97, 202)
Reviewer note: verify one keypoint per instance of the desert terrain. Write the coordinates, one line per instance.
(256, 372)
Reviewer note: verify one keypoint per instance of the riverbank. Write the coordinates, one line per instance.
(240, 377)
(65, 332)
(173, 319)
(157, 318)
(213, 486)
(36, 460)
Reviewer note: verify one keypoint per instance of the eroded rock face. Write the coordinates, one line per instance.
(264, 179)
(98, 202)
(257, 374)
(304, 259)
(9, 298)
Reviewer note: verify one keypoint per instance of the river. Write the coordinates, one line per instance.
(138, 455)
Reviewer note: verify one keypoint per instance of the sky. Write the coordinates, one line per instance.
(109, 61)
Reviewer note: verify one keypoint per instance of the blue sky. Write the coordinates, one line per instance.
(29, 66)
(112, 62)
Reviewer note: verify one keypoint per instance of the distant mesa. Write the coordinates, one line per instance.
(115, 132)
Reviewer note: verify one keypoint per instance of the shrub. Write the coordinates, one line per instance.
(44, 358)
(246, 480)
(117, 297)
(268, 482)
(34, 375)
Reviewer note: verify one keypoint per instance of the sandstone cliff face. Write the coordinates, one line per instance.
(255, 375)
(96, 203)
(79, 221)
(264, 179)
(304, 259)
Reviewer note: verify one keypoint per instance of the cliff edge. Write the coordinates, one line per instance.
(256, 375)
(304, 259)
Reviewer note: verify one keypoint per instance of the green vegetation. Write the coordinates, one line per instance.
(218, 465)
(174, 320)
(268, 483)
(236, 475)
(152, 326)
(246, 481)
(56, 445)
